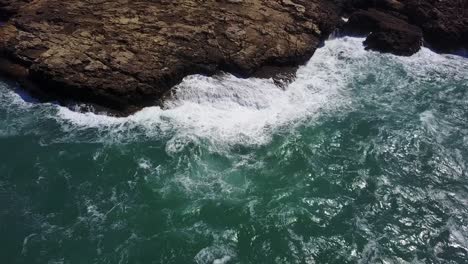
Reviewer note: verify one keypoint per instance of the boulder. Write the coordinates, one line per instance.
(386, 33)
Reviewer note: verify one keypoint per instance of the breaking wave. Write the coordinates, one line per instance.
(363, 155)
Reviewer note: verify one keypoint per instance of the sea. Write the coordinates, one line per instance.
(362, 158)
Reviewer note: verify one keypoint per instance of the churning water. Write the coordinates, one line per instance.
(362, 159)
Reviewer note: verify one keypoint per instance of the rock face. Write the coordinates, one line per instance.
(444, 22)
(124, 54)
(10, 7)
(400, 26)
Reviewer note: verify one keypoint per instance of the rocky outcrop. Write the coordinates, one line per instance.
(387, 33)
(126, 54)
(400, 26)
(444, 22)
(10, 7)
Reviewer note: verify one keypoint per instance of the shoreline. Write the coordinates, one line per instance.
(56, 57)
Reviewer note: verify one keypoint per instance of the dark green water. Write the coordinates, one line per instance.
(363, 159)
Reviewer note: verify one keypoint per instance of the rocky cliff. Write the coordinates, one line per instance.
(125, 54)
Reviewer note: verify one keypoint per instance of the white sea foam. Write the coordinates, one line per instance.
(229, 110)
(208, 256)
(214, 255)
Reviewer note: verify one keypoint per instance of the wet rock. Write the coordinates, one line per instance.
(386, 32)
(281, 76)
(399, 42)
(13, 70)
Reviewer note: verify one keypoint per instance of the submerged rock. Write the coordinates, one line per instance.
(126, 54)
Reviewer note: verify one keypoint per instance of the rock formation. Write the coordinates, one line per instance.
(386, 32)
(125, 54)
(444, 22)
(401, 27)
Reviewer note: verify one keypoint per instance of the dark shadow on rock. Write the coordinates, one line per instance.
(443, 24)
(385, 32)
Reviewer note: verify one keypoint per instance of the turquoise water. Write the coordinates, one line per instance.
(362, 159)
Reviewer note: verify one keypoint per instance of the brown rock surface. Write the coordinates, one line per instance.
(125, 54)
(10, 7)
